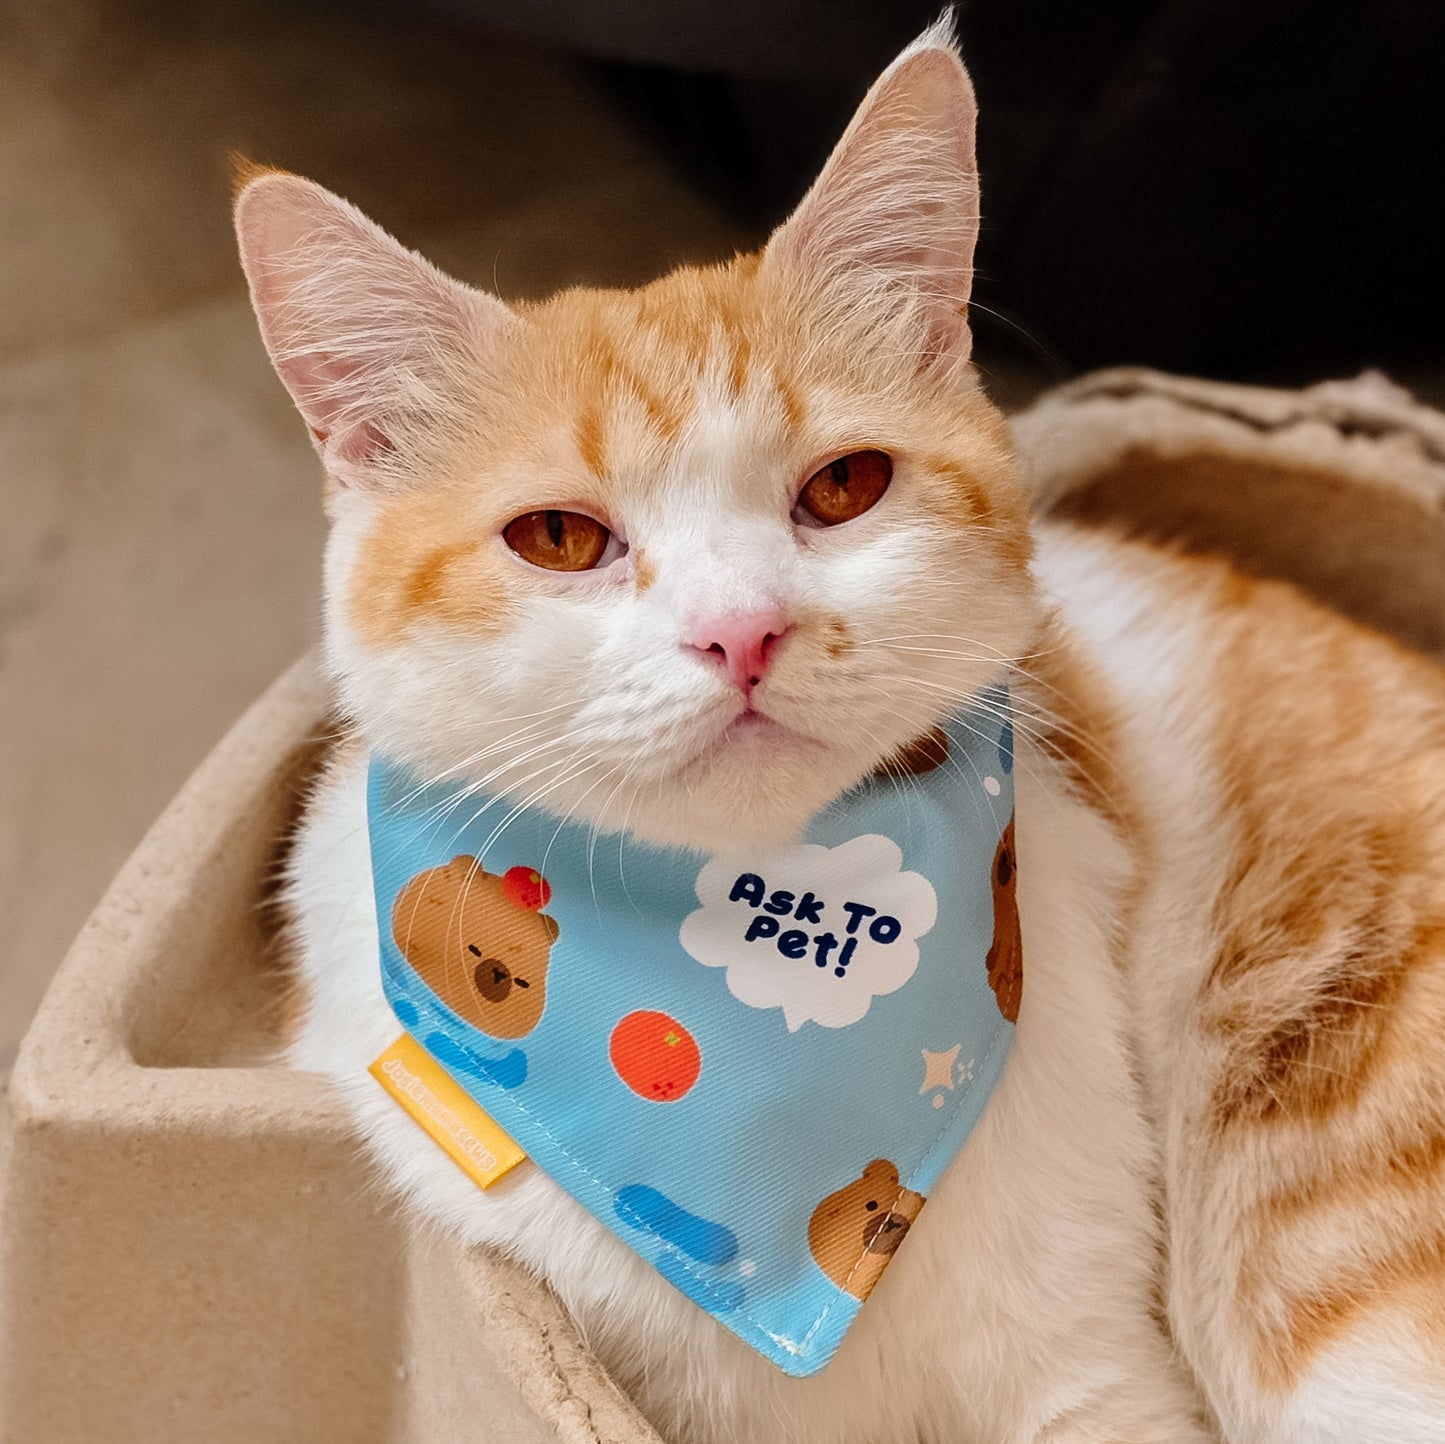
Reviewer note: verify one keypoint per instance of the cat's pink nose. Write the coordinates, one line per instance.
(741, 644)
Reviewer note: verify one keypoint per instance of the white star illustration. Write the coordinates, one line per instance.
(938, 1068)
(965, 1071)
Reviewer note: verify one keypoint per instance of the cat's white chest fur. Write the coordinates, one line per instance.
(1020, 1307)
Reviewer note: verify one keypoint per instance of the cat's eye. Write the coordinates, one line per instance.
(560, 541)
(847, 487)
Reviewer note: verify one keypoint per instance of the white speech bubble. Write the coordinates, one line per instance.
(816, 931)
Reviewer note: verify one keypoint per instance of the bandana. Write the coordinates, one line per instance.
(752, 1068)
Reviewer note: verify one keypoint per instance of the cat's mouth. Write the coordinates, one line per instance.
(754, 733)
(734, 750)
(751, 718)
(752, 724)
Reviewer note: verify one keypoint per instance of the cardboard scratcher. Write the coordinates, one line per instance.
(190, 1245)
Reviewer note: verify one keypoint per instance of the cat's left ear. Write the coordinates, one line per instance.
(894, 214)
(374, 343)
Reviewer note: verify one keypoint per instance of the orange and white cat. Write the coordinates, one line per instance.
(691, 560)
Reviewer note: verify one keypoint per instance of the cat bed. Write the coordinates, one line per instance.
(191, 1246)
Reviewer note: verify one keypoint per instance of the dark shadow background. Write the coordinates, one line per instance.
(1242, 188)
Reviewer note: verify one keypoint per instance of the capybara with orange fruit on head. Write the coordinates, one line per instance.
(480, 941)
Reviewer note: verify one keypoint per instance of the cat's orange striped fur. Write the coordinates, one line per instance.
(1316, 1122)
(1208, 1199)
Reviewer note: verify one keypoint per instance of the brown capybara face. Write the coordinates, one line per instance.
(1006, 956)
(854, 1232)
(479, 942)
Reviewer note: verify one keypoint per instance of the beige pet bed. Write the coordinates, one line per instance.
(190, 1247)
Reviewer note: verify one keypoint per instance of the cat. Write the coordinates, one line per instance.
(691, 560)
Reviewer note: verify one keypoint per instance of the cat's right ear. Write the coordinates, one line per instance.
(372, 341)
(894, 214)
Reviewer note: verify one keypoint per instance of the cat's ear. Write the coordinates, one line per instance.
(371, 341)
(895, 209)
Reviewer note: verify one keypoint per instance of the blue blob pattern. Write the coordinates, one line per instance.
(509, 1071)
(642, 1207)
(406, 1013)
(1006, 747)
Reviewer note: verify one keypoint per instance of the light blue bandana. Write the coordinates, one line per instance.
(752, 1069)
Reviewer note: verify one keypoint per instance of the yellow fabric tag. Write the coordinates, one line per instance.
(444, 1110)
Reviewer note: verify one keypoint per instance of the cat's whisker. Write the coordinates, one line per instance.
(532, 799)
(520, 738)
(1024, 711)
(903, 782)
(1039, 723)
(501, 797)
(1020, 761)
(595, 829)
(1024, 728)
(441, 813)
(977, 650)
(525, 740)
(493, 745)
(909, 717)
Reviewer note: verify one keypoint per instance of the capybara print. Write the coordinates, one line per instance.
(855, 1231)
(480, 942)
(1006, 955)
